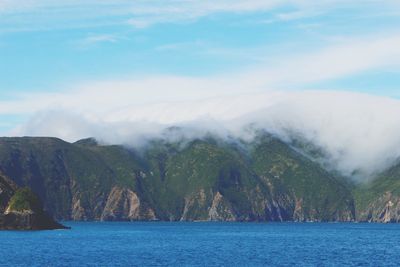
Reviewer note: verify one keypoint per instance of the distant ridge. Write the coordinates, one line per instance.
(87, 142)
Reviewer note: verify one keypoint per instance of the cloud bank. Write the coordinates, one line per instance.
(358, 133)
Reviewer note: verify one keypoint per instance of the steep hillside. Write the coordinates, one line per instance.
(73, 180)
(313, 192)
(379, 201)
(208, 179)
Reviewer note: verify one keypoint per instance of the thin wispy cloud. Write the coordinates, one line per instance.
(182, 45)
(346, 58)
(94, 39)
(142, 14)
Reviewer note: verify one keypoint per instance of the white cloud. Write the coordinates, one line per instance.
(100, 38)
(359, 133)
(291, 71)
(340, 60)
(94, 39)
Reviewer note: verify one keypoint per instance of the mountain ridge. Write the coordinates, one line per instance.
(199, 180)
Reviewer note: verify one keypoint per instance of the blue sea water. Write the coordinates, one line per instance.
(204, 244)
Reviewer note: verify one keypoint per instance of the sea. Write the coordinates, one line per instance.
(204, 244)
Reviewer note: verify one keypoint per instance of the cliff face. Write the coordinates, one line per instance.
(385, 209)
(200, 180)
(7, 190)
(124, 204)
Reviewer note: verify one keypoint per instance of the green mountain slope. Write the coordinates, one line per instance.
(315, 194)
(379, 200)
(209, 179)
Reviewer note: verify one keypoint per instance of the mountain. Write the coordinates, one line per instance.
(218, 181)
(190, 180)
(21, 209)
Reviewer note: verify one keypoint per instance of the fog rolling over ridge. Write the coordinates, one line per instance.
(358, 134)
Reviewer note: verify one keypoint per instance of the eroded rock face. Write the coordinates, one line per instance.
(124, 204)
(78, 212)
(220, 210)
(385, 209)
(209, 206)
(196, 206)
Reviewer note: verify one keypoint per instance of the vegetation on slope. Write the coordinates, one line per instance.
(319, 192)
(24, 200)
(263, 180)
(379, 200)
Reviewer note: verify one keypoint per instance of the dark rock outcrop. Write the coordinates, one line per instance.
(28, 221)
(21, 209)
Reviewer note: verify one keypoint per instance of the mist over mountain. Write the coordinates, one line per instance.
(355, 134)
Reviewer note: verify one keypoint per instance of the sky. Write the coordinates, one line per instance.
(115, 68)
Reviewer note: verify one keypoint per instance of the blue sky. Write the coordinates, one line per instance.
(52, 52)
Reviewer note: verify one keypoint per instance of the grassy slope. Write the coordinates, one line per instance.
(25, 200)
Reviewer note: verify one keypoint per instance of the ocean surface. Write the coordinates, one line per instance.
(204, 244)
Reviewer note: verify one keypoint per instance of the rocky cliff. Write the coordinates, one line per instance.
(124, 204)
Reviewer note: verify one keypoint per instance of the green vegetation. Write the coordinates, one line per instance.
(24, 200)
(386, 183)
(199, 171)
(321, 194)
(262, 180)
